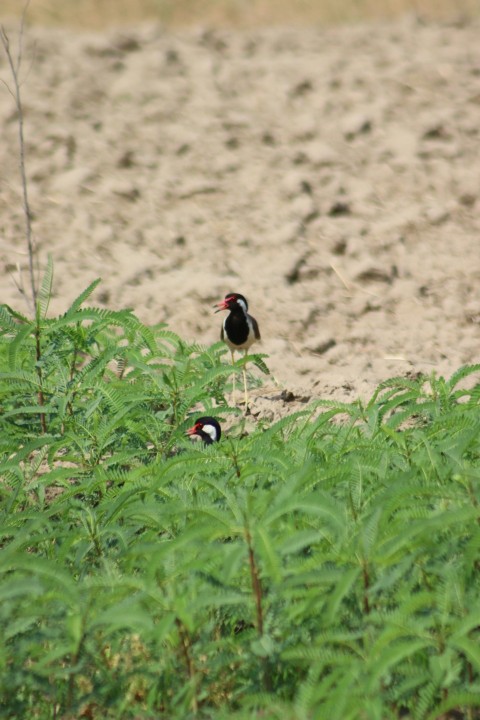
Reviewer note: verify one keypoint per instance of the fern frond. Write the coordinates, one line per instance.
(45, 291)
(9, 315)
(82, 297)
(458, 702)
(462, 373)
(21, 377)
(17, 343)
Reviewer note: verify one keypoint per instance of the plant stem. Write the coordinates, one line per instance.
(41, 396)
(470, 672)
(258, 595)
(15, 71)
(71, 679)
(185, 644)
(366, 585)
(256, 584)
(73, 368)
(235, 460)
(472, 496)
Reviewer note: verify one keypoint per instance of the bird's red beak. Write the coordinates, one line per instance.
(222, 305)
(193, 430)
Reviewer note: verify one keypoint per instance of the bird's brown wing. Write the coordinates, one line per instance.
(256, 330)
(222, 334)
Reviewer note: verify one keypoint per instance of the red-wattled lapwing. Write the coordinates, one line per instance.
(206, 428)
(239, 330)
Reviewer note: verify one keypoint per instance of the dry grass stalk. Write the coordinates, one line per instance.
(15, 65)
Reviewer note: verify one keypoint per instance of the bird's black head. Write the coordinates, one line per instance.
(206, 428)
(232, 301)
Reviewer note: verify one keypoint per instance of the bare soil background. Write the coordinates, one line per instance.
(332, 176)
(100, 14)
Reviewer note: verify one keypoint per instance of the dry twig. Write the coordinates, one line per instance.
(15, 64)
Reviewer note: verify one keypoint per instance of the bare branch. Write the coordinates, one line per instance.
(18, 283)
(4, 82)
(21, 36)
(15, 72)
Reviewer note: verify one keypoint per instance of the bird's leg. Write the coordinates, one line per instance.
(233, 382)
(245, 382)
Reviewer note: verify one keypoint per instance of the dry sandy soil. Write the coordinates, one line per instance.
(332, 176)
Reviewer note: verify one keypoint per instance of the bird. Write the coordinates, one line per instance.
(206, 428)
(239, 330)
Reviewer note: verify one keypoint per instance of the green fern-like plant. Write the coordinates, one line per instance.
(325, 565)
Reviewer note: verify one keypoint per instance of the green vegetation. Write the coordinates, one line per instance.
(325, 566)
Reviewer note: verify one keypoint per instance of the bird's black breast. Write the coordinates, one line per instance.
(206, 438)
(236, 328)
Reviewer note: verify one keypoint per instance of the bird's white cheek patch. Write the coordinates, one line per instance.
(210, 431)
(242, 305)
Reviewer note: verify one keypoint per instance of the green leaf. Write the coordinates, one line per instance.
(45, 291)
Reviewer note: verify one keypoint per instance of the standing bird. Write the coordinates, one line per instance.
(206, 428)
(239, 330)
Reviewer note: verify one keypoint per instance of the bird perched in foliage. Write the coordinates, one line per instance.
(239, 330)
(206, 428)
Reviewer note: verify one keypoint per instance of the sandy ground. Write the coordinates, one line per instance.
(331, 176)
